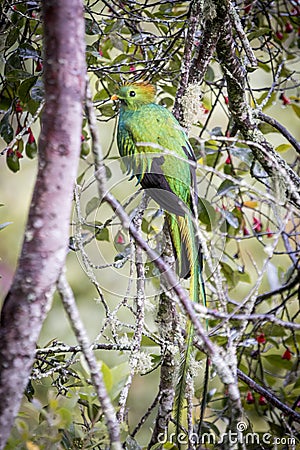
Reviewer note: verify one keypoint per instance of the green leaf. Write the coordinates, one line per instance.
(91, 205)
(283, 148)
(13, 162)
(277, 362)
(12, 37)
(296, 109)
(245, 277)
(65, 416)
(31, 150)
(24, 89)
(207, 213)
(225, 187)
(231, 276)
(103, 235)
(18, 74)
(107, 110)
(91, 27)
(107, 376)
(263, 31)
(266, 128)
(6, 130)
(100, 95)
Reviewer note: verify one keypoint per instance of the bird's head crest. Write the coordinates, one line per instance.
(132, 95)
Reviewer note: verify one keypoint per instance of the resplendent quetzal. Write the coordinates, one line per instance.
(157, 151)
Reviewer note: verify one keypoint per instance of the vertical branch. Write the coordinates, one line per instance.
(46, 237)
(69, 303)
(167, 316)
(140, 312)
(193, 22)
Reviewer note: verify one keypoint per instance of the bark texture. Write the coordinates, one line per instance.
(46, 236)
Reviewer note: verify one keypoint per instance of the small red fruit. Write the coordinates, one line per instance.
(261, 338)
(262, 401)
(226, 100)
(287, 355)
(250, 399)
(257, 225)
(279, 35)
(120, 239)
(39, 66)
(19, 154)
(246, 231)
(228, 160)
(18, 108)
(31, 138)
(269, 232)
(288, 27)
(247, 8)
(132, 68)
(285, 100)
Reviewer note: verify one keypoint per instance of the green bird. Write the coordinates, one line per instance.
(156, 150)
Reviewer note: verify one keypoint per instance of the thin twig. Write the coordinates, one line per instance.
(69, 303)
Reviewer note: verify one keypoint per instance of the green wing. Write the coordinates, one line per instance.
(157, 151)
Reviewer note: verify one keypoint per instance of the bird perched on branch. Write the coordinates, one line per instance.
(156, 150)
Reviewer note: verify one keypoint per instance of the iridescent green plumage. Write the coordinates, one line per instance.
(157, 151)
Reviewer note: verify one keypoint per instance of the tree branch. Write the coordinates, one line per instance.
(69, 303)
(46, 236)
(271, 161)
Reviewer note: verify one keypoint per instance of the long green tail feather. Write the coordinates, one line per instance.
(184, 233)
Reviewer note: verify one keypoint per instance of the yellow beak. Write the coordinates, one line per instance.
(114, 97)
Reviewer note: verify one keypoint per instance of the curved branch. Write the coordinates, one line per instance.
(281, 128)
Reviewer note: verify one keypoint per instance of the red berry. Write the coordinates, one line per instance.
(261, 339)
(39, 66)
(19, 154)
(247, 8)
(246, 231)
(285, 100)
(9, 152)
(262, 401)
(288, 27)
(18, 107)
(120, 239)
(132, 68)
(257, 225)
(31, 138)
(287, 355)
(279, 35)
(100, 52)
(250, 399)
(269, 232)
(82, 138)
(228, 160)
(226, 100)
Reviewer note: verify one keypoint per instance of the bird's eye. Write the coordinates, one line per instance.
(132, 94)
